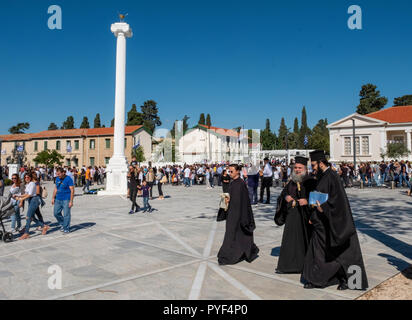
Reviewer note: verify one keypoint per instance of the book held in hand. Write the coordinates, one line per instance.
(317, 196)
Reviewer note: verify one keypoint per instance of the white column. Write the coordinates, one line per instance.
(117, 168)
(408, 142)
(383, 141)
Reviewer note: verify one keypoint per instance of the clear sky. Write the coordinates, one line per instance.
(241, 61)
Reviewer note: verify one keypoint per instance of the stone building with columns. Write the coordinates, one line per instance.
(78, 146)
(373, 132)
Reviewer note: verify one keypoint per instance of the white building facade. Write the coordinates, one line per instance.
(212, 144)
(373, 132)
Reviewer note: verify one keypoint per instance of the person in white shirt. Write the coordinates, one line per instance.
(187, 176)
(267, 178)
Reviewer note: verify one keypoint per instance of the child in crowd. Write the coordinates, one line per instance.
(145, 193)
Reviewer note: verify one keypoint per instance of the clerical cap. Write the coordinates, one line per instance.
(301, 160)
(317, 155)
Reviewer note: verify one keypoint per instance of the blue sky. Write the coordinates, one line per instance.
(241, 61)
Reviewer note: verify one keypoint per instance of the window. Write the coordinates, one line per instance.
(125, 142)
(92, 161)
(68, 162)
(45, 145)
(106, 160)
(68, 146)
(57, 145)
(365, 145)
(36, 145)
(76, 144)
(347, 146)
(357, 145)
(107, 143)
(76, 162)
(92, 144)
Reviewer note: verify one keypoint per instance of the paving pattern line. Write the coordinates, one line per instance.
(153, 245)
(247, 292)
(114, 282)
(198, 282)
(289, 281)
(180, 241)
(201, 271)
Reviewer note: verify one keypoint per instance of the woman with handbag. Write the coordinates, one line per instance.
(161, 179)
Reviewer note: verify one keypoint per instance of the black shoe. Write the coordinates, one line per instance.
(137, 209)
(260, 201)
(267, 202)
(279, 272)
(343, 286)
(131, 212)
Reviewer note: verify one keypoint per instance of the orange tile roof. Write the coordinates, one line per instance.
(66, 133)
(222, 131)
(400, 114)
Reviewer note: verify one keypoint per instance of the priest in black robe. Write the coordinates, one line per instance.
(293, 212)
(238, 244)
(334, 252)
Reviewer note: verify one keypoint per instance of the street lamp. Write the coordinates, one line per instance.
(354, 144)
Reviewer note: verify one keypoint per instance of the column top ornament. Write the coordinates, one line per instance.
(121, 27)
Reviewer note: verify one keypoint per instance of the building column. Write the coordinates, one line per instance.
(408, 142)
(384, 141)
(117, 167)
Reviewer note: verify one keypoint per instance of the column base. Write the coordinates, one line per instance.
(116, 177)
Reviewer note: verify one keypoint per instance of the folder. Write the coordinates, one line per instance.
(317, 196)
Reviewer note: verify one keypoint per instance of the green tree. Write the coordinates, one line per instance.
(202, 119)
(294, 136)
(85, 123)
(185, 124)
(208, 121)
(304, 130)
(134, 118)
(267, 138)
(19, 128)
(52, 126)
(150, 117)
(370, 100)
(69, 123)
(283, 135)
(49, 158)
(97, 123)
(403, 101)
(320, 136)
(396, 150)
(112, 123)
(139, 154)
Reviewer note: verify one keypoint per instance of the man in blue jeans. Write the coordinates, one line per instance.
(63, 199)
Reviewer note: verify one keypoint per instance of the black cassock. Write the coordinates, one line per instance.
(238, 242)
(334, 245)
(297, 231)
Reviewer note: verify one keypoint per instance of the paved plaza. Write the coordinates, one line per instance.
(171, 254)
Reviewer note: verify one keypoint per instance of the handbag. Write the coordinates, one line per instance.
(44, 192)
(164, 179)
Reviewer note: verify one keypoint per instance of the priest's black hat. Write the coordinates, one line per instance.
(266, 159)
(317, 155)
(301, 160)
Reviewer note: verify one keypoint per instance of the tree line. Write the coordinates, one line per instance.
(300, 137)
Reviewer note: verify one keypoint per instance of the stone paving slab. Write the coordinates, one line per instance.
(171, 254)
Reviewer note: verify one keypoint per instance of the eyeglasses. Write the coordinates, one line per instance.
(13, 178)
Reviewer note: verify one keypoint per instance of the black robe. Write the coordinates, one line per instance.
(297, 231)
(238, 242)
(334, 246)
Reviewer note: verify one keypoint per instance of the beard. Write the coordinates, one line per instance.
(298, 177)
